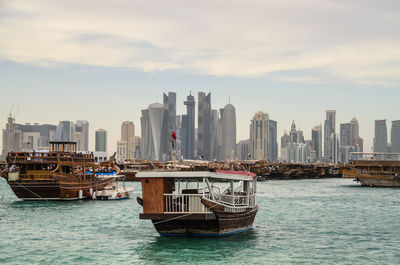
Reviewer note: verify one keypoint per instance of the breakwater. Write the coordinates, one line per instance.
(263, 169)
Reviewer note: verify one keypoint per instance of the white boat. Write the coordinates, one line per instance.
(113, 192)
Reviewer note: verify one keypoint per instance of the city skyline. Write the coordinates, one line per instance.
(344, 135)
(105, 67)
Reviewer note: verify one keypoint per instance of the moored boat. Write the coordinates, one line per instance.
(60, 174)
(199, 203)
(113, 191)
(378, 173)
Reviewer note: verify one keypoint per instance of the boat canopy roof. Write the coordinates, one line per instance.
(223, 175)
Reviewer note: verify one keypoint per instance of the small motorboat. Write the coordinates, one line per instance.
(113, 192)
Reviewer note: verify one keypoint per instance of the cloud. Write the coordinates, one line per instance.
(355, 41)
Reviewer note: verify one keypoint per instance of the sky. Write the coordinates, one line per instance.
(104, 61)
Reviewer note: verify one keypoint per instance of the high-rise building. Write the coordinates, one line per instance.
(395, 136)
(335, 148)
(296, 136)
(127, 135)
(156, 114)
(170, 104)
(285, 140)
(380, 140)
(215, 143)
(204, 126)
(355, 139)
(316, 141)
(188, 129)
(101, 140)
(82, 135)
(147, 146)
(259, 136)
(345, 134)
(27, 137)
(228, 119)
(243, 150)
(272, 140)
(65, 131)
(329, 128)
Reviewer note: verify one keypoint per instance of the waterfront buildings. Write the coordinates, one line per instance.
(81, 135)
(329, 128)
(147, 146)
(345, 134)
(272, 140)
(380, 139)
(350, 140)
(293, 147)
(395, 136)
(228, 120)
(259, 136)
(170, 104)
(334, 148)
(316, 142)
(204, 126)
(243, 150)
(65, 131)
(188, 129)
(263, 137)
(215, 135)
(156, 115)
(101, 140)
(18, 137)
(355, 139)
(126, 144)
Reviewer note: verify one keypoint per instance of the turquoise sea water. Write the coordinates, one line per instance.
(300, 221)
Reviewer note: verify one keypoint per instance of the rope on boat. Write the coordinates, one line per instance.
(30, 191)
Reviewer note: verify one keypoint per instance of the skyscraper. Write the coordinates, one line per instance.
(82, 135)
(380, 140)
(395, 136)
(355, 139)
(345, 134)
(204, 125)
(259, 136)
(329, 128)
(215, 144)
(170, 104)
(295, 135)
(272, 140)
(188, 121)
(228, 116)
(243, 150)
(128, 134)
(65, 131)
(316, 141)
(101, 140)
(156, 114)
(335, 148)
(147, 146)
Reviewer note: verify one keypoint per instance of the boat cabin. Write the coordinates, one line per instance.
(182, 191)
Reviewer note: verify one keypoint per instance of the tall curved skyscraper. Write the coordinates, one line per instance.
(156, 115)
(228, 115)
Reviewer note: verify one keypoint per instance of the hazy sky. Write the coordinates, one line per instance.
(104, 61)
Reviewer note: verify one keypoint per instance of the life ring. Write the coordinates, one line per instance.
(119, 195)
(127, 193)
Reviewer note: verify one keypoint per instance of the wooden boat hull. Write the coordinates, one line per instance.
(379, 182)
(202, 224)
(36, 190)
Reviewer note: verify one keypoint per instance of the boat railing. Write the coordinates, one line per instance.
(185, 203)
(236, 200)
